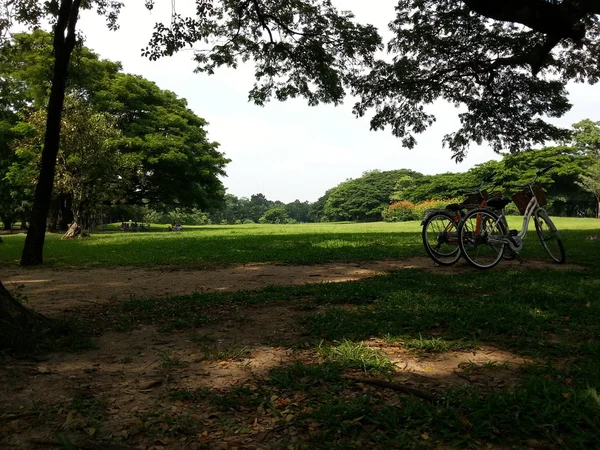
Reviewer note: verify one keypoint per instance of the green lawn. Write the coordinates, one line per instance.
(209, 246)
(551, 317)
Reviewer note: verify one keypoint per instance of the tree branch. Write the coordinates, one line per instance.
(540, 15)
(262, 21)
(394, 386)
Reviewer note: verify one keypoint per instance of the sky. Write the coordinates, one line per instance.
(288, 150)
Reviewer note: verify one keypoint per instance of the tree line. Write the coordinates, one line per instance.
(572, 188)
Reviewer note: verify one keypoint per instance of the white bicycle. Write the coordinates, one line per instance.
(484, 236)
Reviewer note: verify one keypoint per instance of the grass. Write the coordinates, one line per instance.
(551, 317)
(210, 246)
(355, 355)
(547, 316)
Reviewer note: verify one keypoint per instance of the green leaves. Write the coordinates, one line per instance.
(445, 51)
(301, 48)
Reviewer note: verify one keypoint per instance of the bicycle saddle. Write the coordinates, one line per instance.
(498, 203)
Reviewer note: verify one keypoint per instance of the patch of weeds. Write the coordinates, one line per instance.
(85, 413)
(90, 407)
(126, 360)
(158, 422)
(300, 377)
(236, 398)
(353, 355)
(470, 366)
(235, 351)
(54, 335)
(166, 362)
(203, 339)
(436, 345)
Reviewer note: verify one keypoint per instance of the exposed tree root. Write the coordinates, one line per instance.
(395, 386)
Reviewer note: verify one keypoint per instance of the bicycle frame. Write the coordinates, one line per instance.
(516, 242)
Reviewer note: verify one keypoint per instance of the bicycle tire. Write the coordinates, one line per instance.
(452, 254)
(467, 241)
(547, 232)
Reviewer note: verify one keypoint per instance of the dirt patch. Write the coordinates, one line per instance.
(53, 291)
(136, 386)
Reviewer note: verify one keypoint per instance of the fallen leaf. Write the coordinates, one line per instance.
(91, 431)
(425, 436)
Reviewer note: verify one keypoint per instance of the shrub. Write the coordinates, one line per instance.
(275, 215)
(399, 212)
(422, 208)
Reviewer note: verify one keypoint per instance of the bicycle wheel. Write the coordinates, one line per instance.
(481, 238)
(549, 236)
(440, 238)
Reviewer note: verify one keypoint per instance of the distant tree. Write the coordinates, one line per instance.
(364, 198)
(298, 211)
(275, 215)
(590, 182)
(586, 137)
(563, 193)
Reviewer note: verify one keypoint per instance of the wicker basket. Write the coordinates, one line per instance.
(523, 198)
(475, 199)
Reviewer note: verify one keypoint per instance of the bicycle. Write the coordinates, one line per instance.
(440, 226)
(484, 237)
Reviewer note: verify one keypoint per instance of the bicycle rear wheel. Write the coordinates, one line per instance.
(481, 238)
(440, 238)
(549, 236)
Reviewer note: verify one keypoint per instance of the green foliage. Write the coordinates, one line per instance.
(365, 198)
(165, 158)
(182, 216)
(301, 48)
(586, 137)
(590, 182)
(474, 55)
(88, 166)
(275, 216)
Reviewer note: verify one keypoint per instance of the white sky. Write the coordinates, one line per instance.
(288, 151)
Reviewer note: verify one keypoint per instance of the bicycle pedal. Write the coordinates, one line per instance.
(513, 232)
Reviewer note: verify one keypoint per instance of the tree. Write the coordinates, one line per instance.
(506, 64)
(591, 183)
(298, 211)
(364, 198)
(89, 168)
(275, 215)
(586, 137)
(170, 161)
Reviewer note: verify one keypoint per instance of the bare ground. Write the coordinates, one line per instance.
(132, 375)
(52, 291)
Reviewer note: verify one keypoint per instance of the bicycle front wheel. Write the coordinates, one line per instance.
(549, 236)
(440, 238)
(482, 237)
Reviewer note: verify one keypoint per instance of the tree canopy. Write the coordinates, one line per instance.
(504, 64)
(159, 153)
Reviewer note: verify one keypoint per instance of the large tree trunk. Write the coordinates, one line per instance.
(598, 208)
(16, 321)
(63, 47)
